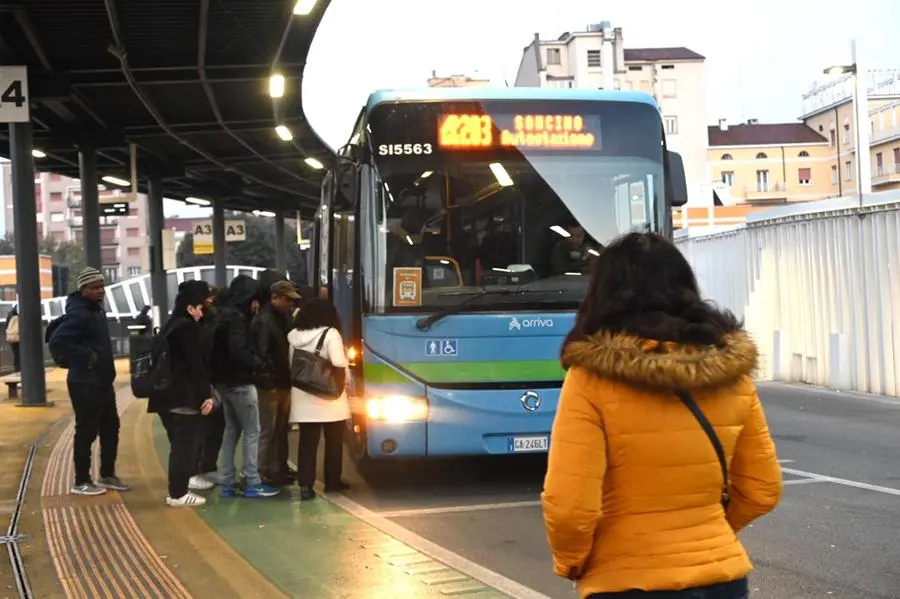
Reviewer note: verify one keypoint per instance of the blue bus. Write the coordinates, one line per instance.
(455, 235)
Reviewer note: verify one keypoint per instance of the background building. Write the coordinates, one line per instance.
(828, 110)
(675, 77)
(123, 239)
(456, 81)
(8, 278)
(771, 163)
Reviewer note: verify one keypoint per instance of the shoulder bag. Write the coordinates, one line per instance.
(315, 374)
(688, 401)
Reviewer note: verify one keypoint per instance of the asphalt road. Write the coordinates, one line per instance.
(835, 537)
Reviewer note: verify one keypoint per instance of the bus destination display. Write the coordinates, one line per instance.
(532, 131)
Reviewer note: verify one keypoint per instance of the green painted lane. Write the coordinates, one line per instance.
(315, 549)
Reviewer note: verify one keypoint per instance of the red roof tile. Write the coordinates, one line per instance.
(658, 54)
(763, 134)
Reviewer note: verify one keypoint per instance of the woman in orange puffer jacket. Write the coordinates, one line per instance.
(633, 499)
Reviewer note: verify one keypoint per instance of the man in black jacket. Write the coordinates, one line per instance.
(270, 329)
(234, 365)
(82, 338)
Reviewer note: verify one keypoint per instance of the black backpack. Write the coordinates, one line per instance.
(151, 363)
(58, 358)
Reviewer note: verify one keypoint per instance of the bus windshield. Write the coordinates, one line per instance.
(507, 202)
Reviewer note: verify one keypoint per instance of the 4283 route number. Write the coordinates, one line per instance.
(404, 149)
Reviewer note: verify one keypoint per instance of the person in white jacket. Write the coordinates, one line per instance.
(314, 415)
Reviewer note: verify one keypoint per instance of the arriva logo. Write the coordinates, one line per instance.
(530, 323)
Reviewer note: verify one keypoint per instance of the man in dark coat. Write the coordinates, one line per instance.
(82, 338)
(270, 329)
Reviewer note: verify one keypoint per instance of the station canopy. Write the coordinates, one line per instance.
(186, 81)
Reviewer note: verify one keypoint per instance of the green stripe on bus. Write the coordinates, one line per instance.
(468, 372)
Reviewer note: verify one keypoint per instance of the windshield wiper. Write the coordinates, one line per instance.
(423, 324)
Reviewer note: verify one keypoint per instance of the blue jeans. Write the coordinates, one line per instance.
(241, 406)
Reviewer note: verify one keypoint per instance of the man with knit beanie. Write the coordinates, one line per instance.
(82, 338)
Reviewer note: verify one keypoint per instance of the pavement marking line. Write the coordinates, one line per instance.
(785, 461)
(804, 481)
(843, 481)
(465, 566)
(454, 509)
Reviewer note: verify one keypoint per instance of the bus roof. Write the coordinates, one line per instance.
(506, 93)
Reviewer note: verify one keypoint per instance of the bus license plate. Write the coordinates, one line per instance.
(525, 444)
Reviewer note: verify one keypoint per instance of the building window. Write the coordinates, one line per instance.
(58, 236)
(833, 138)
(133, 232)
(761, 156)
(671, 123)
(728, 178)
(594, 58)
(56, 196)
(762, 181)
(635, 68)
(848, 170)
(668, 88)
(846, 133)
(134, 271)
(879, 164)
(134, 252)
(727, 157)
(803, 154)
(804, 176)
(897, 159)
(553, 56)
(57, 217)
(111, 273)
(834, 175)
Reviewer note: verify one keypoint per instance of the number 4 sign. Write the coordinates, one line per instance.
(14, 103)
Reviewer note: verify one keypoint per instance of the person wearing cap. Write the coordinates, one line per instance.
(82, 337)
(270, 328)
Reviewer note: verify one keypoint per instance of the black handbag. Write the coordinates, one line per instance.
(315, 374)
(688, 401)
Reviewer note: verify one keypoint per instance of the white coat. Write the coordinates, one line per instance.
(309, 408)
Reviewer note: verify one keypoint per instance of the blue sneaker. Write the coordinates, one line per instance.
(261, 490)
(231, 490)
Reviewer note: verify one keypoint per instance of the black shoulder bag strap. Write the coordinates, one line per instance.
(688, 401)
(321, 341)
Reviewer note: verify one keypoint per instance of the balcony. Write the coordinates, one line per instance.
(73, 201)
(109, 241)
(883, 135)
(886, 175)
(766, 193)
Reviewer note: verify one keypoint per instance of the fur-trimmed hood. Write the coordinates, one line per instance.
(665, 364)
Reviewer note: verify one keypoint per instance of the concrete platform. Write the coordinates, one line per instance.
(132, 545)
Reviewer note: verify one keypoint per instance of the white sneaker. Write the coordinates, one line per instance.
(199, 483)
(187, 500)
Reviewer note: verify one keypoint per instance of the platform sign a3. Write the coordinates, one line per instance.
(14, 99)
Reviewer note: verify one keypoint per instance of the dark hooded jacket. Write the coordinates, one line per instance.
(234, 359)
(83, 337)
(190, 385)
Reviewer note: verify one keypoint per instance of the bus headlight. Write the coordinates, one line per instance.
(397, 408)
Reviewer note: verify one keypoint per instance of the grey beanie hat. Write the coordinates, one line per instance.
(89, 276)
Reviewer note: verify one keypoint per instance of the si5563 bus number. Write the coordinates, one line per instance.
(403, 149)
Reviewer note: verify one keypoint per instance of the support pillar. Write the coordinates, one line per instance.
(280, 248)
(219, 249)
(28, 270)
(90, 206)
(155, 224)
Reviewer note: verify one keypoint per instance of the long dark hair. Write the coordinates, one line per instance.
(642, 285)
(316, 313)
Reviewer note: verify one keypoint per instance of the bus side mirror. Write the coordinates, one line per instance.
(676, 184)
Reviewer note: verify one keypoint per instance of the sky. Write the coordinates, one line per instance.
(761, 55)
